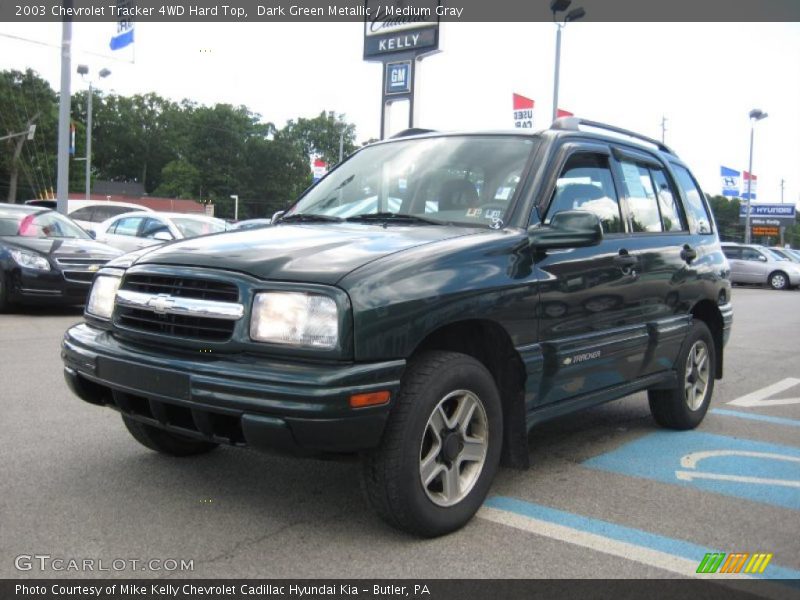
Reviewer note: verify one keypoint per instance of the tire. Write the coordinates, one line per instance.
(447, 419)
(778, 280)
(164, 441)
(685, 406)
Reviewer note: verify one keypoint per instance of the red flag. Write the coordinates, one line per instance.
(521, 102)
(563, 113)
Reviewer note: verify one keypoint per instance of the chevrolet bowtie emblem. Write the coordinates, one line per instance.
(161, 303)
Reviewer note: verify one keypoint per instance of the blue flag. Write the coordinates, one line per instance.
(730, 182)
(124, 35)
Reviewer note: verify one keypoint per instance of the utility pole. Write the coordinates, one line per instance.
(23, 137)
(64, 104)
(782, 184)
(663, 129)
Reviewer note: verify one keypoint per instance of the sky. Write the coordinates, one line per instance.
(703, 77)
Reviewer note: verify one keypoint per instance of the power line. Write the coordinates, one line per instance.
(48, 45)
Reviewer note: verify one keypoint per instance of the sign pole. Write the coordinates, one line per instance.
(64, 105)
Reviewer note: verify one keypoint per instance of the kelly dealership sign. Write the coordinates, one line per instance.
(393, 28)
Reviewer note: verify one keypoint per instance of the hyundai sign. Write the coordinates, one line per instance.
(769, 214)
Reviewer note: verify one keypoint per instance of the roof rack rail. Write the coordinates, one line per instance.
(412, 131)
(574, 123)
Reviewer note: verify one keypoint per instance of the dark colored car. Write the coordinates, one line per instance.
(426, 304)
(45, 257)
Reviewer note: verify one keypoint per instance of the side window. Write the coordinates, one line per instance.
(586, 184)
(750, 254)
(640, 197)
(667, 201)
(128, 226)
(82, 214)
(152, 227)
(695, 209)
(732, 252)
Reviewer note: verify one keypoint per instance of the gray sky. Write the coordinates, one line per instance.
(704, 78)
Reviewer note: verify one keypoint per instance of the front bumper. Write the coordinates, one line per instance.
(240, 399)
(33, 286)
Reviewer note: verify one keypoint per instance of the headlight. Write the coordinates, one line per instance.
(101, 299)
(296, 319)
(31, 260)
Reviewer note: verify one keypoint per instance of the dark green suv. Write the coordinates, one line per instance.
(426, 304)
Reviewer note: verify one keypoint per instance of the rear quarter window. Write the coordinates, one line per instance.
(695, 208)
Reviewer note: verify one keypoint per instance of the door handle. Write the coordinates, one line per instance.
(688, 253)
(625, 260)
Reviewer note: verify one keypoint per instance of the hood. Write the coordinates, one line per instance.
(316, 253)
(63, 247)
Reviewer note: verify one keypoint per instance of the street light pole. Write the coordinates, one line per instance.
(558, 6)
(755, 115)
(235, 198)
(557, 73)
(84, 70)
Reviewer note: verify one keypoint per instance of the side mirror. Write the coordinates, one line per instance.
(762, 258)
(163, 236)
(567, 229)
(277, 216)
(92, 233)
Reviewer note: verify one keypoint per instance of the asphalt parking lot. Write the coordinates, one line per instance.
(609, 495)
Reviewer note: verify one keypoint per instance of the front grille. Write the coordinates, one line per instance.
(185, 287)
(198, 328)
(79, 276)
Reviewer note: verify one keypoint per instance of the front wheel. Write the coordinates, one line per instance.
(685, 406)
(779, 281)
(441, 447)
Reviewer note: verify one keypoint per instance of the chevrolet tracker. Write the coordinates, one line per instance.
(425, 305)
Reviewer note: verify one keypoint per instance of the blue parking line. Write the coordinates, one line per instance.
(629, 535)
(756, 471)
(756, 417)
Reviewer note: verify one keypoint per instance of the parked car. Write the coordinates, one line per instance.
(135, 230)
(90, 214)
(45, 257)
(787, 253)
(759, 265)
(522, 277)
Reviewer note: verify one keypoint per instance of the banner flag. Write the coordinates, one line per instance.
(730, 182)
(523, 111)
(753, 181)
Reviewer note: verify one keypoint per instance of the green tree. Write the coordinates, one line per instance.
(27, 167)
(179, 179)
(726, 214)
(321, 135)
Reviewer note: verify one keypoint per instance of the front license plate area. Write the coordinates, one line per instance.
(146, 380)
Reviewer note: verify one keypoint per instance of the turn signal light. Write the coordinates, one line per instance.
(371, 399)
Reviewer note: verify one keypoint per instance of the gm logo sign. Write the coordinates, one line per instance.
(717, 562)
(398, 77)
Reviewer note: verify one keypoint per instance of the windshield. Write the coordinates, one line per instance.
(47, 224)
(458, 179)
(195, 227)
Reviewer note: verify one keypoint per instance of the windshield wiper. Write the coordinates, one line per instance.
(310, 218)
(391, 216)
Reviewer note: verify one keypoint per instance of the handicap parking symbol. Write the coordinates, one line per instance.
(757, 471)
